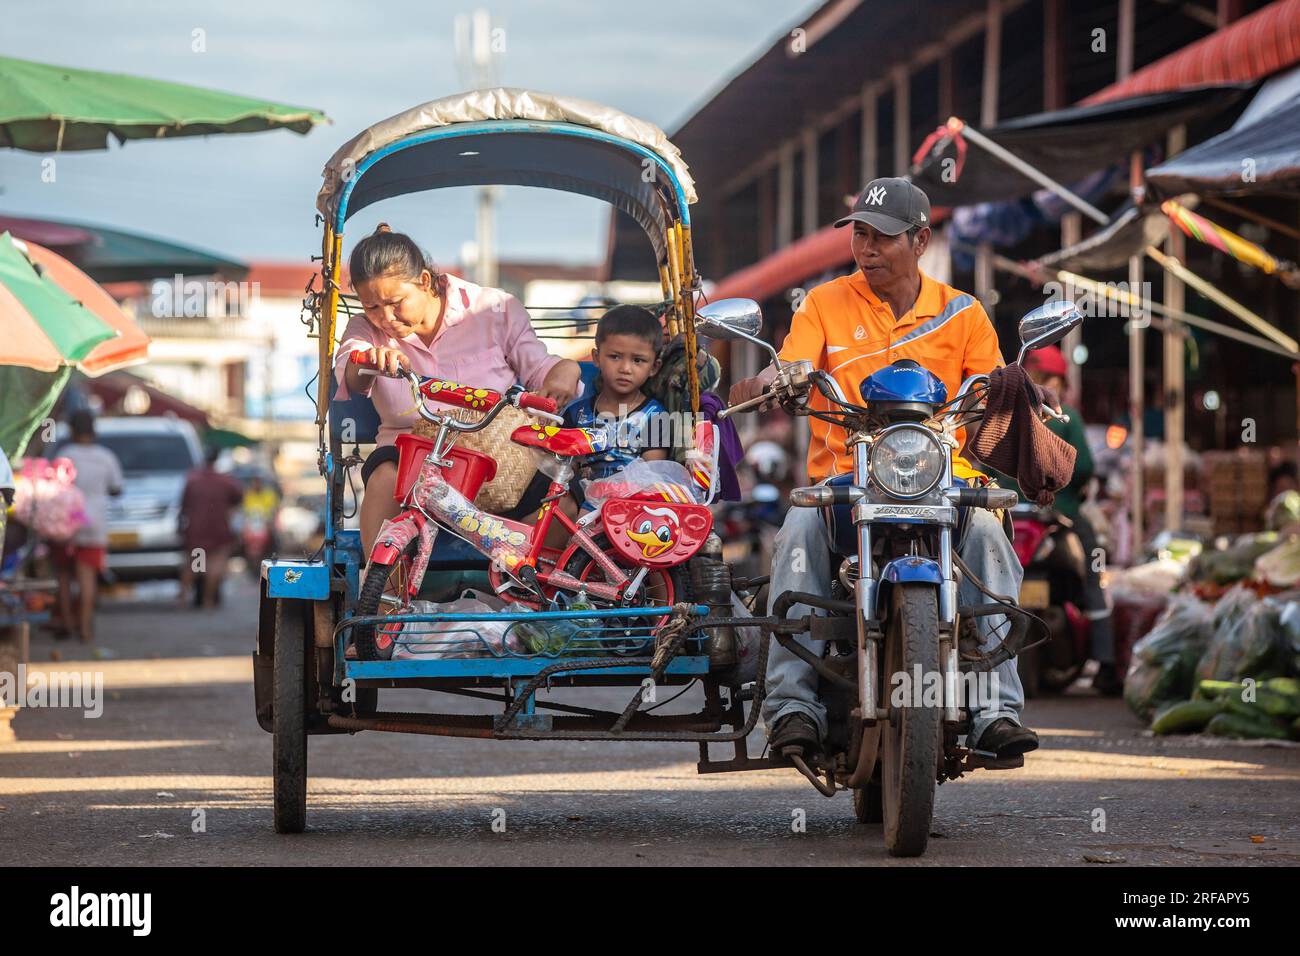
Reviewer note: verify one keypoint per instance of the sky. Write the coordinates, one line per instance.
(252, 196)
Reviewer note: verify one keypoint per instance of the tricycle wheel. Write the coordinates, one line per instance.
(910, 742)
(869, 803)
(289, 718)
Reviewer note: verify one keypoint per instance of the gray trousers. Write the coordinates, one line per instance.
(803, 562)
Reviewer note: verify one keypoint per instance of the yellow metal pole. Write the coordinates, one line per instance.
(688, 318)
(331, 266)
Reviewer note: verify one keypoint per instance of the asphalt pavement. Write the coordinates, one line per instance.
(176, 771)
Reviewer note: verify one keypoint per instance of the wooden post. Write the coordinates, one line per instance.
(785, 197)
(870, 142)
(984, 289)
(1071, 233)
(1136, 392)
(1127, 31)
(1174, 398)
(902, 121)
(809, 185)
(1053, 54)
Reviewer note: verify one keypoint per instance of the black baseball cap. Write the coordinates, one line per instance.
(891, 205)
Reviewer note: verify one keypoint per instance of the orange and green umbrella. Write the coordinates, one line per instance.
(129, 347)
(42, 326)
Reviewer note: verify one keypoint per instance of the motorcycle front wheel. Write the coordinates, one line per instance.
(912, 739)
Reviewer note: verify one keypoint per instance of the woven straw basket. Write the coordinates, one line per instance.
(515, 463)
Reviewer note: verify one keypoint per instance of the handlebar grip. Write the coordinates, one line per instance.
(993, 498)
(362, 357)
(539, 402)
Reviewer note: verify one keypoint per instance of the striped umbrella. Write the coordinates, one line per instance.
(42, 326)
(1225, 240)
(129, 347)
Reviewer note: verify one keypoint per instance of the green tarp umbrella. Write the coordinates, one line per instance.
(46, 108)
(44, 331)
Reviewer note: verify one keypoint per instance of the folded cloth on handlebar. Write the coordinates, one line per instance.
(1013, 439)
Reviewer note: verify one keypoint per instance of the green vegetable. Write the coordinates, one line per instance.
(1211, 689)
(1232, 725)
(1186, 717)
(1284, 685)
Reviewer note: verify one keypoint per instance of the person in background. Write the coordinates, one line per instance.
(206, 534)
(99, 475)
(1047, 368)
(259, 507)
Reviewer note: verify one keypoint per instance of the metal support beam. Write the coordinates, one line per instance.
(1136, 394)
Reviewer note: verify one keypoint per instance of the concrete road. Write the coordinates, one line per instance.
(176, 771)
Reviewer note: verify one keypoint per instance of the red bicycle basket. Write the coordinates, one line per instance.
(468, 473)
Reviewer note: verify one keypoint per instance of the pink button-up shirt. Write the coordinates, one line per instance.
(487, 341)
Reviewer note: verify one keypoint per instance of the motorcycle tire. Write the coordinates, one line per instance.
(911, 743)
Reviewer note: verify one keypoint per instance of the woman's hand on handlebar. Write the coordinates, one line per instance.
(384, 359)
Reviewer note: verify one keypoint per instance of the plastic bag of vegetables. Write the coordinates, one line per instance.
(1164, 662)
(1248, 640)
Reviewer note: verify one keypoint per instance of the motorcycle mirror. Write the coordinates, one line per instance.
(1047, 325)
(734, 320)
(730, 319)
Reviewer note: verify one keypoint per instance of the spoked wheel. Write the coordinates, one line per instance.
(660, 587)
(911, 741)
(289, 719)
(384, 592)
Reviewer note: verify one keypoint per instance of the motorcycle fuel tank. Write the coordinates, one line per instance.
(904, 381)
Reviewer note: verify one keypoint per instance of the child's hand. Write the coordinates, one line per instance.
(561, 382)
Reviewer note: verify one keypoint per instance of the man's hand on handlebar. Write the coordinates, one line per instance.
(750, 388)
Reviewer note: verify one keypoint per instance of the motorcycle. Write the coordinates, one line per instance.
(893, 615)
(1053, 557)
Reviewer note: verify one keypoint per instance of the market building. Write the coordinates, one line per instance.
(1091, 90)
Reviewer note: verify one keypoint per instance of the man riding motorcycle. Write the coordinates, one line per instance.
(851, 327)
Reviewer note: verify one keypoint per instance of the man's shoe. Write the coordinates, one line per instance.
(1107, 681)
(1006, 738)
(794, 733)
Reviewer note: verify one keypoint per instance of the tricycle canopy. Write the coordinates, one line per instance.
(597, 151)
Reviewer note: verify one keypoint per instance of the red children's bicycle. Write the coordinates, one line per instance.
(628, 552)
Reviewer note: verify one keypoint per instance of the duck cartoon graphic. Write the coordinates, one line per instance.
(654, 530)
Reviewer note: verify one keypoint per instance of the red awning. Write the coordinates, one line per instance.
(1252, 48)
(810, 256)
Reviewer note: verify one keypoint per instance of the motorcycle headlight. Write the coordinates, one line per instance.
(906, 462)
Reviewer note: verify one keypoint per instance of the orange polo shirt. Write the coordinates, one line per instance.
(844, 328)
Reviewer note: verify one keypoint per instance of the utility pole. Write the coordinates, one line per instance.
(476, 64)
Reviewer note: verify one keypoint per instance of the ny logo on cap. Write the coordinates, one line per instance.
(876, 196)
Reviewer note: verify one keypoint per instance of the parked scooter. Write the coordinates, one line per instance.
(1053, 557)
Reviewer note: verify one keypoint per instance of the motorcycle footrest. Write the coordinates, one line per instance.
(987, 760)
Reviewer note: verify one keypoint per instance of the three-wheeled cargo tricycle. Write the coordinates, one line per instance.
(639, 597)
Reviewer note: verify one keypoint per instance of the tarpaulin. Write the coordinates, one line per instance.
(1067, 144)
(1260, 153)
